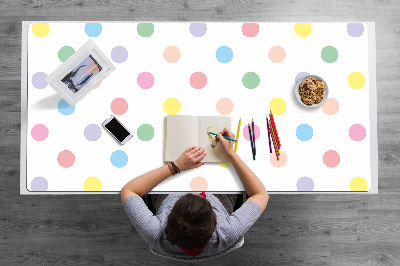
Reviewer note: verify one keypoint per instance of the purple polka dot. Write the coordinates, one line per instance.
(305, 184)
(357, 132)
(38, 80)
(92, 132)
(198, 29)
(119, 54)
(300, 75)
(355, 29)
(39, 184)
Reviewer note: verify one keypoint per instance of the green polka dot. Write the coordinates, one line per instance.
(329, 54)
(65, 52)
(145, 132)
(251, 80)
(145, 29)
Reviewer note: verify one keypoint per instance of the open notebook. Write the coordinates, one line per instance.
(183, 131)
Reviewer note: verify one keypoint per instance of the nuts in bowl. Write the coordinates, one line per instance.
(311, 91)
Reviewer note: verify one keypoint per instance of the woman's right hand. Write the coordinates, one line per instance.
(226, 144)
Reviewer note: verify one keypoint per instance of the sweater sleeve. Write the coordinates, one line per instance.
(146, 223)
(239, 222)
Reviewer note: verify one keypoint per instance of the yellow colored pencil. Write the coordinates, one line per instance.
(237, 135)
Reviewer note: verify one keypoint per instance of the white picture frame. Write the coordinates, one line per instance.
(80, 73)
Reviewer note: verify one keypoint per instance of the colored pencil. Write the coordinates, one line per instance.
(222, 136)
(276, 130)
(273, 143)
(251, 141)
(237, 135)
(269, 137)
(254, 136)
(274, 140)
(275, 133)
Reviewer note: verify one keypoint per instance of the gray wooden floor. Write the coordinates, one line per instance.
(303, 230)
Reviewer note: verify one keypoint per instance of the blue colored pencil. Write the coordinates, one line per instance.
(222, 136)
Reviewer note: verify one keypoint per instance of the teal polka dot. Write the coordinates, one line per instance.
(145, 132)
(251, 80)
(145, 29)
(304, 132)
(64, 108)
(329, 54)
(65, 52)
(224, 54)
(119, 158)
(93, 29)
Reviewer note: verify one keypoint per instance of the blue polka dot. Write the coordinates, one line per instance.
(224, 54)
(304, 132)
(119, 158)
(64, 108)
(93, 29)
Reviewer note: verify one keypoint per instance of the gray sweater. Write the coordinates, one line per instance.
(229, 227)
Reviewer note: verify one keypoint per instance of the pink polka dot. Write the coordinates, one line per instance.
(331, 158)
(225, 106)
(250, 29)
(66, 158)
(277, 54)
(357, 132)
(198, 80)
(39, 132)
(145, 80)
(119, 106)
(246, 132)
(282, 159)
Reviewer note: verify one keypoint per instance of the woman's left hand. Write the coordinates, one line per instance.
(191, 158)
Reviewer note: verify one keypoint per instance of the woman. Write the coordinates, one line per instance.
(188, 224)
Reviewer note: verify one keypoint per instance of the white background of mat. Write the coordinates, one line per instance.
(224, 80)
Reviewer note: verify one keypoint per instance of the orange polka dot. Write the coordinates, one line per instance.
(277, 54)
(172, 54)
(198, 184)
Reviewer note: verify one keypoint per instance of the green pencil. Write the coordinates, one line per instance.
(274, 139)
(251, 141)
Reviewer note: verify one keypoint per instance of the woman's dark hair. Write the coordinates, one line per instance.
(191, 222)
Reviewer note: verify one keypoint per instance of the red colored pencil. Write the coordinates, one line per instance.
(276, 131)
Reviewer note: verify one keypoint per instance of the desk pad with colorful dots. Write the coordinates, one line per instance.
(241, 70)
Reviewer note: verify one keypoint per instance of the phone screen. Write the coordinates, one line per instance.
(117, 129)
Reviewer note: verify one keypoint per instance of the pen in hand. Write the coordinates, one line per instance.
(222, 136)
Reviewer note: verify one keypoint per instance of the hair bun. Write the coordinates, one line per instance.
(183, 225)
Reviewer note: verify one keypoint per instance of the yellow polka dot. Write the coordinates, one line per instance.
(40, 29)
(302, 29)
(356, 80)
(225, 165)
(358, 184)
(172, 106)
(92, 184)
(277, 106)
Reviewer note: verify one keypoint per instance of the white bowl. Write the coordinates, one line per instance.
(296, 91)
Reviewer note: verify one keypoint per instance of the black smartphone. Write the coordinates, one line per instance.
(117, 129)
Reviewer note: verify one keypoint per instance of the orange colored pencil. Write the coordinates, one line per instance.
(276, 131)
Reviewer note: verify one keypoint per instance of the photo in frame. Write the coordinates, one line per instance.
(80, 73)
